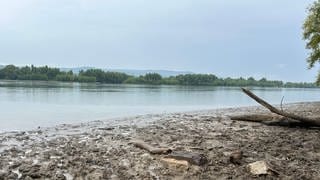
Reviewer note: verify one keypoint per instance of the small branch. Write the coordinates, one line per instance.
(174, 161)
(151, 149)
(281, 103)
(192, 158)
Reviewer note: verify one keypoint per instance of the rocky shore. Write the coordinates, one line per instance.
(102, 150)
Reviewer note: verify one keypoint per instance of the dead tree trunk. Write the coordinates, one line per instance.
(270, 120)
(307, 121)
(257, 117)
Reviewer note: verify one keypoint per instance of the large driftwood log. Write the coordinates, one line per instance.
(257, 117)
(151, 149)
(306, 120)
(269, 119)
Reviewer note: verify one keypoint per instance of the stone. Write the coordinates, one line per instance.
(258, 168)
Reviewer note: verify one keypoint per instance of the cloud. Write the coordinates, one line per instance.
(281, 66)
(202, 36)
(12, 10)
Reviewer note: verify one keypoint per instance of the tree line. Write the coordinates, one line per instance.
(11, 72)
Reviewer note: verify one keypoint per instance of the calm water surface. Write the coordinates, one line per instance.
(29, 104)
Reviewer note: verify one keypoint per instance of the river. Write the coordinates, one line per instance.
(28, 104)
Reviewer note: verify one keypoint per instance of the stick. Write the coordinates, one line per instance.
(281, 103)
(309, 121)
(192, 158)
(174, 161)
(151, 149)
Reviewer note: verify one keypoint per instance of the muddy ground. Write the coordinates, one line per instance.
(102, 150)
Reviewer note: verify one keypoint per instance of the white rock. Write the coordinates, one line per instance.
(258, 168)
(68, 176)
(35, 161)
(18, 173)
(125, 163)
(28, 151)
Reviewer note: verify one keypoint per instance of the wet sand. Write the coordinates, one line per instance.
(102, 150)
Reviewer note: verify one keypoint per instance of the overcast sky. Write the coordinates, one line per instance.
(225, 37)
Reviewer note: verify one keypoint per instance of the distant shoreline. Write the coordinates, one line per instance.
(68, 82)
(45, 73)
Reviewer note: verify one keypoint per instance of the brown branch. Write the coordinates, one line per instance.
(281, 103)
(270, 120)
(151, 149)
(306, 120)
(176, 162)
(192, 158)
(256, 117)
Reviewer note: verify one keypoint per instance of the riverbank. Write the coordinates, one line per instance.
(101, 150)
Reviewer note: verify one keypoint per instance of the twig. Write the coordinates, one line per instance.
(281, 103)
(192, 158)
(151, 149)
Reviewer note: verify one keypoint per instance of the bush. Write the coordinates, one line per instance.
(65, 77)
(135, 80)
(42, 77)
(82, 78)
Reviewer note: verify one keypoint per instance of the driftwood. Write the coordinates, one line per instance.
(175, 162)
(182, 158)
(257, 117)
(151, 149)
(192, 158)
(269, 119)
(290, 117)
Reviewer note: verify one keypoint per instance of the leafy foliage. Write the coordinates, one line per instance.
(196, 79)
(149, 78)
(105, 77)
(152, 77)
(311, 33)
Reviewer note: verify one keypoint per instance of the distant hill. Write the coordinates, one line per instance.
(1, 66)
(133, 72)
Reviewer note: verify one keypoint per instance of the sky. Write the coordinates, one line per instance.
(224, 37)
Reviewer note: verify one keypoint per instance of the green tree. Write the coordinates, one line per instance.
(97, 73)
(82, 78)
(65, 77)
(311, 33)
(115, 77)
(196, 79)
(152, 77)
(10, 72)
